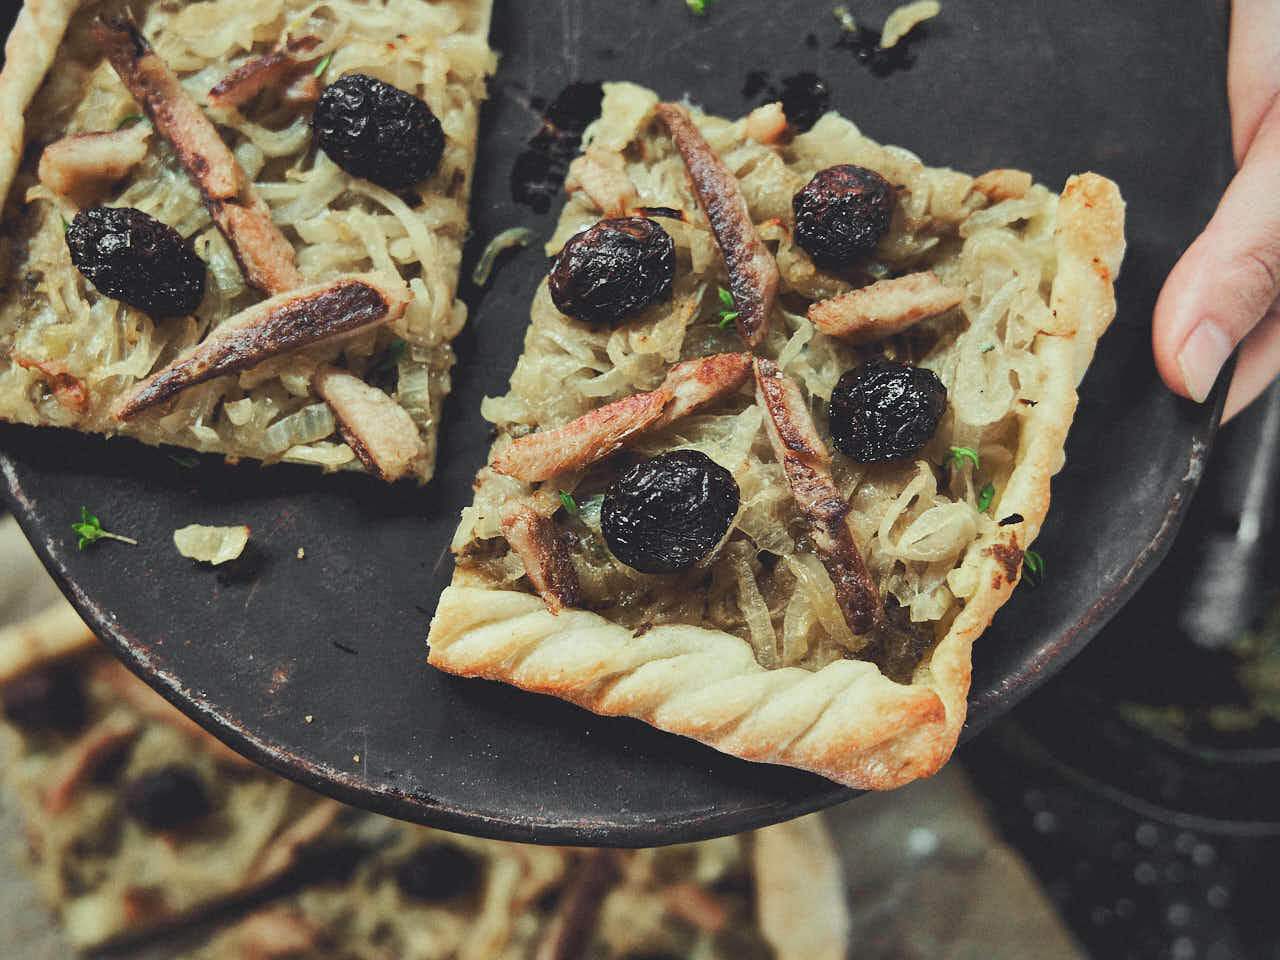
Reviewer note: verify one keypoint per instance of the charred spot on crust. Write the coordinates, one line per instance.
(166, 798)
(1009, 556)
(376, 131)
(50, 700)
(612, 270)
(668, 512)
(841, 214)
(437, 872)
(134, 258)
(884, 410)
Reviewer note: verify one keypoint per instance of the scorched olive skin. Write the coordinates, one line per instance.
(668, 512)
(46, 700)
(841, 214)
(169, 797)
(376, 131)
(885, 410)
(616, 268)
(438, 872)
(134, 258)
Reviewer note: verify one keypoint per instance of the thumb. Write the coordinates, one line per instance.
(1228, 278)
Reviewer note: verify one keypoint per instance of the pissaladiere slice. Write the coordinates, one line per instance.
(781, 434)
(236, 227)
(136, 819)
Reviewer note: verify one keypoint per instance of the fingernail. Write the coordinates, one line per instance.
(1201, 357)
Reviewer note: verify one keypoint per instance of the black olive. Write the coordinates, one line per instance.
(134, 258)
(51, 699)
(376, 131)
(668, 512)
(166, 798)
(616, 268)
(884, 410)
(841, 214)
(439, 871)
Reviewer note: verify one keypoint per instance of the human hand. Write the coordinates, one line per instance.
(1225, 290)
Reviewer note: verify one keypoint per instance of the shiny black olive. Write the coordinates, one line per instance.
(134, 258)
(376, 131)
(841, 214)
(885, 410)
(438, 872)
(166, 798)
(668, 512)
(616, 268)
(51, 699)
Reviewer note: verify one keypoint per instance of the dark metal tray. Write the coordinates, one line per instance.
(316, 667)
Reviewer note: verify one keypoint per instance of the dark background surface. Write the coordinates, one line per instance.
(1132, 90)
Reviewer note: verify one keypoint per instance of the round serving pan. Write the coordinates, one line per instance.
(313, 663)
(1160, 714)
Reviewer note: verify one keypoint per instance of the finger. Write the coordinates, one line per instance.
(1253, 68)
(1228, 278)
(1256, 364)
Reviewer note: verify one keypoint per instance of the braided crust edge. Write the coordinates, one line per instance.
(846, 721)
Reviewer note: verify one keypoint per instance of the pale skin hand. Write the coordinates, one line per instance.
(1225, 290)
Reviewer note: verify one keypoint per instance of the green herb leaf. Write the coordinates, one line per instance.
(130, 120)
(958, 455)
(727, 315)
(185, 460)
(699, 8)
(89, 529)
(570, 504)
(1033, 568)
(985, 496)
(988, 348)
(65, 225)
(320, 67)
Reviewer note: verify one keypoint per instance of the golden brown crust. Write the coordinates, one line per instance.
(1090, 228)
(801, 901)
